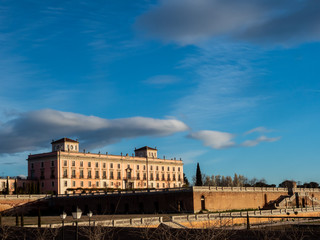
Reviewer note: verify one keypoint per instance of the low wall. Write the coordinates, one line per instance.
(11, 201)
(229, 198)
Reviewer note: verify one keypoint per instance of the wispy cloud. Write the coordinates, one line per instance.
(33, 130)
(252, 143)
(272, 22)
(162, 80)
(258, 130)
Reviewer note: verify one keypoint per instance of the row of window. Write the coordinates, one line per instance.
(129, 176)
(104, 184)
(73, 164)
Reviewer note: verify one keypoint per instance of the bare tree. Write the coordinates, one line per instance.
(5, 232)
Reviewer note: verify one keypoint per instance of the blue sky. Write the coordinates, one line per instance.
(232, 85)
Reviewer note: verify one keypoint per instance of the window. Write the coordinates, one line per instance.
(73, 173)
(42, 184)
(81, 183)
(151, 167)
(137, 167)
(157, 168)
(81, 164)
(104, 165)
(168, 168)
(151, 176)
(89, 173)
(173, 168)
(42, 164)
(32, 166)
(162, 168)
(75, 147)
(144, 176)
(144, 167)
(179, 177)
(104, 184)
(97, 184)
(162, 177)
(73, 163)
(174, 177)
(119, 175)
(52, 184)
(157, 177)
(97, 164)
(178, 169)
(89, 184)
(163, 185)
(111, 165)
(65, 163)
(138, 176)
(168, 178)
(119, 166)
(97, 174)
(89, 164)
(52, 163)
(42, 174)
(104, 174)
(65, 183)
(65, 173)
(73, 183)
(52, 173)
(81, 173)
(111, 174)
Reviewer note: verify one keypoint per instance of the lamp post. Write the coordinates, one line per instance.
(89, 214)
(77, 215)
(63, 216)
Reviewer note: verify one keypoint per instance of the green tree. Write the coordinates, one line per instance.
(198, 176)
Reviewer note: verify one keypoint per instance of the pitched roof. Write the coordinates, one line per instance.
(64, 140)
(146, 148)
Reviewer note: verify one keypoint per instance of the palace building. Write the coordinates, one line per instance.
(67, 170)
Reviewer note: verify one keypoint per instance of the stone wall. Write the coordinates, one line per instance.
(229, 198)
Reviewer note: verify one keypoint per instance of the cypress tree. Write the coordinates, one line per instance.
(8, 187)
(198, 176)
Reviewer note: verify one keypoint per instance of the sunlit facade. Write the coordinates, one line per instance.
(66, 170)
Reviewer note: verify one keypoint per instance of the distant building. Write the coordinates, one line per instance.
(65, 169)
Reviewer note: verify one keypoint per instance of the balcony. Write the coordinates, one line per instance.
(97, 177)
(104, 177)
(73, 176)
(89, 176)
(130, 178)
(65, 175)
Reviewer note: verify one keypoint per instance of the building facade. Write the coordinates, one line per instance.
(65, 169)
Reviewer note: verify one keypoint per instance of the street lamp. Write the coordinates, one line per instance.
(77, 215)
(89, 214)
(63, 216)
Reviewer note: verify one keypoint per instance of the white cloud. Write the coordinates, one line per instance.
(33, 130)
(221, 140)
(214, 139)
(252, 143)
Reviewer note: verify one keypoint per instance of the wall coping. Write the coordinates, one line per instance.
(251, 189)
